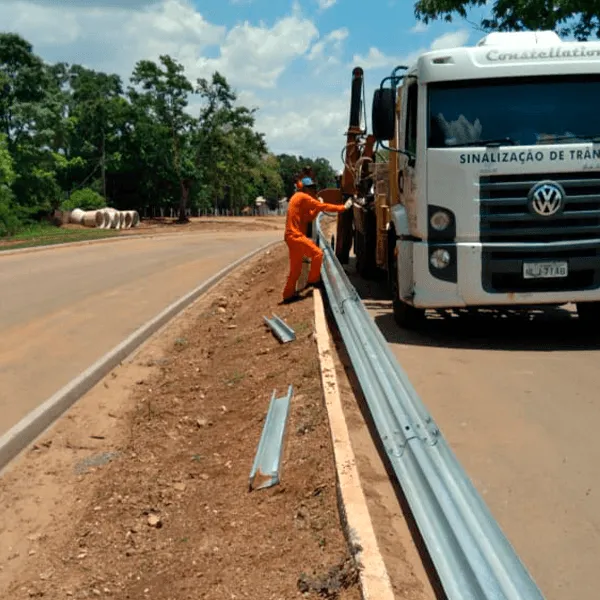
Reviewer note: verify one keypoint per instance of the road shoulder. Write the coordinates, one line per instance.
(141, 489)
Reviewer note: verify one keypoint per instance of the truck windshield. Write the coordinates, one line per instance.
(524, 111)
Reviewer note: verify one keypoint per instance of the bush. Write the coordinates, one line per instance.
(85, 199)
(9, 223)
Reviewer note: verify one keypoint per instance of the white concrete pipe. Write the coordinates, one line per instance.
(127, 219)
(135, 218)
(121, 219)
(105, 219)
(76, 216)
(93, 218)
(114, 220)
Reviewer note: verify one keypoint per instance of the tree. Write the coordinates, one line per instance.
(228, 149)
(291, 166)
(71, 136)
(160, 108)
(26, 119)
(8, 221)
(266, 181)
(568, 17)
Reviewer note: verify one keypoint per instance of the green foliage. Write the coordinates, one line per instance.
(9, 223)
(74, 137)
(7, 173)
(568, 17)
(85, 199)
(291, 166)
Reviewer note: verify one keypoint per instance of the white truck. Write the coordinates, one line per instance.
(491, 192)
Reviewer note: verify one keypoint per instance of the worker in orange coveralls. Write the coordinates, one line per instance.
(302, 209)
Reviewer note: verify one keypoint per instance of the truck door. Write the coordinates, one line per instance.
(408, 141)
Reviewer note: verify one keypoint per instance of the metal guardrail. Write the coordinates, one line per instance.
(472, 557)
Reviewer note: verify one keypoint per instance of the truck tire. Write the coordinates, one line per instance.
(383, 114)
(365, 248)
(589, 314)
(405, 315)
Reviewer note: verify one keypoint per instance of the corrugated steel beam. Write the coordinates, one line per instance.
(267, 463)
(281, 329)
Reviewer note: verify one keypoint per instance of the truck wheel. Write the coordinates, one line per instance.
(405, 315)
(589, 314)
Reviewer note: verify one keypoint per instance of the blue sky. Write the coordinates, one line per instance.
(292, 59)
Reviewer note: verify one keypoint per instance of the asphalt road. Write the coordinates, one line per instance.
(63, 308)
(519, 402)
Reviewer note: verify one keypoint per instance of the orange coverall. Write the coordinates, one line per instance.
(302, 209)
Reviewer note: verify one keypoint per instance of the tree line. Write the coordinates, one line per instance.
(74, 137)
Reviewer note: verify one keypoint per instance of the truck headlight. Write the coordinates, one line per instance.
(440, 220)
(440, 258)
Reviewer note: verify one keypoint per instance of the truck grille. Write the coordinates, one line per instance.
(505, 215)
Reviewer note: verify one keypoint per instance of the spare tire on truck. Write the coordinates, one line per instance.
(383, 116)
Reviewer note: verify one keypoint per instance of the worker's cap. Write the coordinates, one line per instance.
(307, 182)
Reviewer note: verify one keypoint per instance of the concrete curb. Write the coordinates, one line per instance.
(36, 422)
(374, 579)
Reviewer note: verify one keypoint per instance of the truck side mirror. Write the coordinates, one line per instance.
(383, 116)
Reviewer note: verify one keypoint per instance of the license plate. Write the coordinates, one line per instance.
(545, 270)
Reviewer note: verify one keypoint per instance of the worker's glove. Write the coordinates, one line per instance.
(321, 200)
(348, 204)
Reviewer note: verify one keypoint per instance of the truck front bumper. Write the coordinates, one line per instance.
(492, 274)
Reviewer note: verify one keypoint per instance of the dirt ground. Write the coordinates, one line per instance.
(399, 543)
(405, 558)
(141, 490)
(167, 225)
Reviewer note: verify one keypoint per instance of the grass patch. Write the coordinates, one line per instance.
(180, 343)
(236, 378)
(301, 328)
(47, 235)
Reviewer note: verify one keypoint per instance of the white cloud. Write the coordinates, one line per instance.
(450, 40)
(112, 35)
(124, 4)
(332, 41)
(419, 27)
(112, 38)
(327, 51)
(41, 23)
(325, 4)
(376, 59)
(256, 56)
(307, 124)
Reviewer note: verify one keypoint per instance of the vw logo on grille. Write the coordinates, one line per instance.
(546, 198)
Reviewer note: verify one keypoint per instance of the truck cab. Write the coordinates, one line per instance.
(490, 195)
